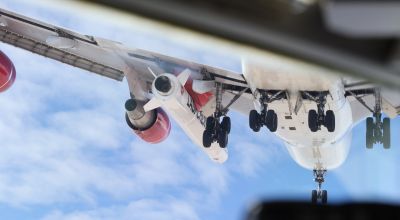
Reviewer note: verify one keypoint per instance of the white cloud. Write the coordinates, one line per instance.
(148, 209)
(65, 142)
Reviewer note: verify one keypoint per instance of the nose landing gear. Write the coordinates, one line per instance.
(319, 194)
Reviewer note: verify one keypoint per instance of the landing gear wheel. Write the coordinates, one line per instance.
(210, 123)
(314, 197)
(386, 133)
(313, 120)
(226, 124)
(207, 138)
(330, 121)
(370, 133)
(272, 120)
(254, 121)
(222, 138)
(324, 197)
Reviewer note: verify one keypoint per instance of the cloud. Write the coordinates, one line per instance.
(65, 144)
(148, 209)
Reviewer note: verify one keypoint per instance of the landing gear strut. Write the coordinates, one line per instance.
(267, 117)
(378, 131)
(319, 194)
(217, 129)
(318, 118)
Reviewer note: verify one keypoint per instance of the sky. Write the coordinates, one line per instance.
(66, 152)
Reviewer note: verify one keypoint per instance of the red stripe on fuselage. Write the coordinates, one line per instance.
(199, 99)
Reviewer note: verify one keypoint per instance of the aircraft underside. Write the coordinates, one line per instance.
(312, 112)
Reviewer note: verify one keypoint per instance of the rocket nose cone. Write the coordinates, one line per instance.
(163, 84)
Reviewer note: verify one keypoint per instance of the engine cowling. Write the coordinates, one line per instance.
(152, 126)
(7, 72)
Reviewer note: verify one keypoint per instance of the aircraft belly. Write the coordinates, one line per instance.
(317, 149)
(329, 156)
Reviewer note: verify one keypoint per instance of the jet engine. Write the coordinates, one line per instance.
(152, 126)
(7, 72)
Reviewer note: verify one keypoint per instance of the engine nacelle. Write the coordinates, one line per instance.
(7, 72)
(152, 126)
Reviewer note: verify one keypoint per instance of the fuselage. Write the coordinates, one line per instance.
(311, 150)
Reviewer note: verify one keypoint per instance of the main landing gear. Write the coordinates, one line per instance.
(378, 131)
(267, 117)
(319, 194)
(217, 129)
(318, 118)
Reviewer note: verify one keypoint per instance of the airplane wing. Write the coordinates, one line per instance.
(361, 95)
(111, 59)
(237, 94)
(66, 46)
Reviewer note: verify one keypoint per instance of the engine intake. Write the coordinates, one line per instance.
(163, 84)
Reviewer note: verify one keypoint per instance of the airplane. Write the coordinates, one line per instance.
(312, 113)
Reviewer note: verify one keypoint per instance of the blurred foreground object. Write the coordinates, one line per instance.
(356, 37)
(307, 211)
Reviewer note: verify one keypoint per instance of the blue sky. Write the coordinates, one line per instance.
(66, 152)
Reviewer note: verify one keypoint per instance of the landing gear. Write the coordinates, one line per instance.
(217, 130)
(254, 121)
(377, 130)
(267, 117)
(318, 118)
(319, 194)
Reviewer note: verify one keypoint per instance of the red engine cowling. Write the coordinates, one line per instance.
(153, 128)
(7, 72)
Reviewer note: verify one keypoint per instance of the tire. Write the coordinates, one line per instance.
(207, 138)
(254, 121)
(210, 122)
(222, 138)
(275, 124)
(272, 120)
(226, 124)
(386, 133)
(330, 120)
(369, 136)
(313, 120)
(324, 197)
(314, 197)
